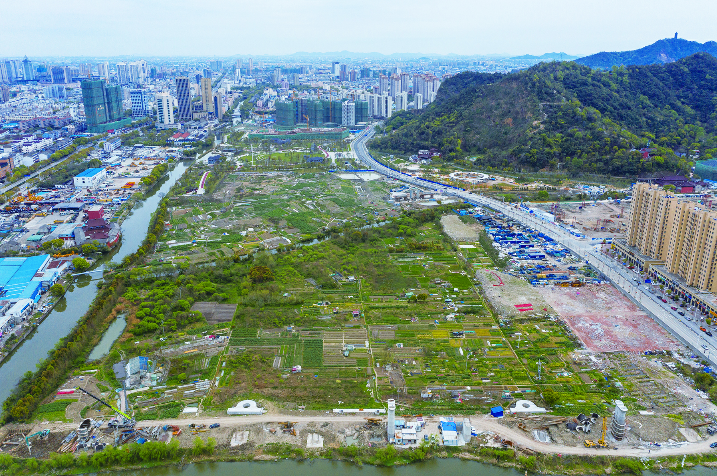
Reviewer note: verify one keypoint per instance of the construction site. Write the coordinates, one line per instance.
(595, 219)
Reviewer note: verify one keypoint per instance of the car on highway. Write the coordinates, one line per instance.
(703, 329)
(674, 308)
(708, 333)
(713, 445)
(663, 299)
(681, 313)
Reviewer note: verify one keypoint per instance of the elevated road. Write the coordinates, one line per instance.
(623, 279)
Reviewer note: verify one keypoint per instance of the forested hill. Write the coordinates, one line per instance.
(660, 52)
(568, 116)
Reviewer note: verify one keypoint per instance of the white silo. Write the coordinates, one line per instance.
(391, 423)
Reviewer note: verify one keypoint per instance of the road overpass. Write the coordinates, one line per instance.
(623, 279)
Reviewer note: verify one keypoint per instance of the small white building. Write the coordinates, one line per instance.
(112, 144)
(90, 178)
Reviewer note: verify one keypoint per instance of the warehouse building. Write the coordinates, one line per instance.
(90, 178)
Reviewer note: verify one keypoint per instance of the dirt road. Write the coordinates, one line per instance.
(480, 423)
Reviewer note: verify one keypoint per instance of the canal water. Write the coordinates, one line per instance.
(80, 294)
(331, 468)
(108, 338)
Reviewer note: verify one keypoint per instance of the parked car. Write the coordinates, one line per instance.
(673, 308)
(708, 333)
(713, 445)
(663, 299)
(681, 313)
(703, 329)
(213, 425)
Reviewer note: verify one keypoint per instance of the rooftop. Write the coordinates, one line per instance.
(91, 172)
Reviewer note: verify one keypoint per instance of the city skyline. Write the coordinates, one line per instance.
(460, 28)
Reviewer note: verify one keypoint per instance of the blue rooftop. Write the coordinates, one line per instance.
(448, 426)
(16, 277)
(91, 172)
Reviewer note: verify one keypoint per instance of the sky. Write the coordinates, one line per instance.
(278, 27)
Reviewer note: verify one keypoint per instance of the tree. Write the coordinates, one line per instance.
(260, 274)
(88, 248)
(80, 264)
(422, 297)
(550, 397)
(57, 290)
(669, 187)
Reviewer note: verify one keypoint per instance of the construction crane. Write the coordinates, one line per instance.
(601, 442)
(119, 412)
(307, 122)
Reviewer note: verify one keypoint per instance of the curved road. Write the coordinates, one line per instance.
(681, 328)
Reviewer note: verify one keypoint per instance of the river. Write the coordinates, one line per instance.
(453, 466)
(80, 294)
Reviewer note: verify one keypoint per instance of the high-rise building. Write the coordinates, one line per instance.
(103, 70)
(383, 84)
(401, 102)
(184, 99)
(676, 233)
(286, 114)
(27, 70)
(55, 92)
(122, 70)
(217, 105)
(343, 72)
(348, 114)
(395, 85)
(165, 109)
(251, 66)
(14, 70)
(207, 73)
(335, 68)
(405, 82)
(206, 89)
(418, 101)
(140, 103)
(4, 93)
(103, 106)
(215, 65)
(59, 75)
(353, 75)
(361, 111)
(4, 76)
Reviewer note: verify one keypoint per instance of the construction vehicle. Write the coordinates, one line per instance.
(601, 442)
(42, 434)
(288, 427)
(113, 423)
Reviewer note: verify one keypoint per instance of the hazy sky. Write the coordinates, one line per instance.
(228, 27)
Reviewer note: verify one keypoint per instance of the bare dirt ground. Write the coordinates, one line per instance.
(586, 220)
(513, 291)
(457, 230)
(605, 320)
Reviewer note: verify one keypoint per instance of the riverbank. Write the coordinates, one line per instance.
(62, 325)
(161, 458)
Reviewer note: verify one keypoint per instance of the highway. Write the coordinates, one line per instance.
(622, 278)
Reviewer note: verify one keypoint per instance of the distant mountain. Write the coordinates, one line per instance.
(547, 57)
(660, 52)
(569, 117)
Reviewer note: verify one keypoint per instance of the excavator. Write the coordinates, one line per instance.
(601, 442)
(42, 434)
(128, 420)
(288, 427)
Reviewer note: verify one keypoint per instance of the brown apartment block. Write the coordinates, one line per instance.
(677, 231)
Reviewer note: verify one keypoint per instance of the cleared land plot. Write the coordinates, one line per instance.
(506, 292)
(214, 312)
(606, 321)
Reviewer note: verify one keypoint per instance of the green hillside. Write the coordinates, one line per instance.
(660, 52)
(568, 116)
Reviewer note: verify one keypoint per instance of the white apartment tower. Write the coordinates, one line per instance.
(139, 100)
(165, 110)
(348, 113)
(401, 102)
(418, 101)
